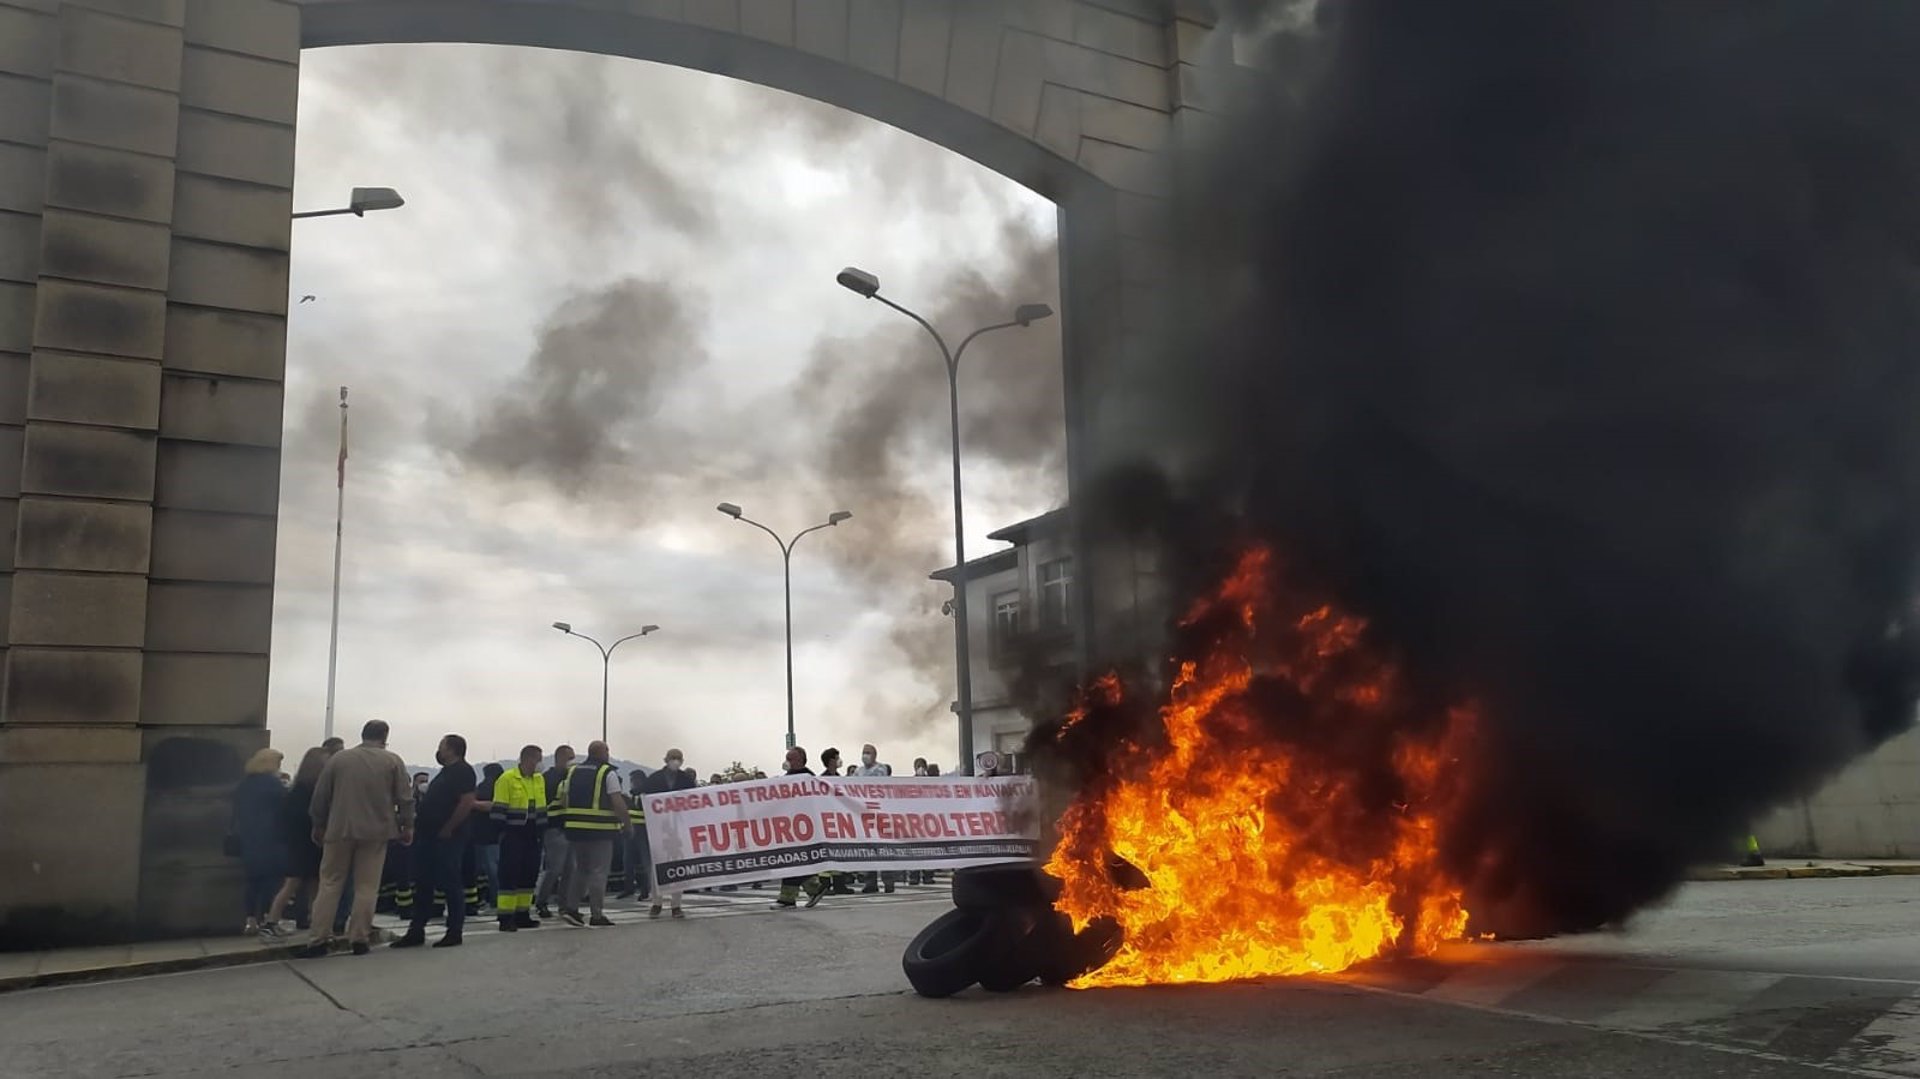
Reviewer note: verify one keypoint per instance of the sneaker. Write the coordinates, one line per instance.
(783, 904)
(361, 947)
(318, 949)
(654, 911)
(600, 921)
(408, 941)
(526, 921)
(573, 919)
(813, 897)
(677, 912)
(448, 941)
(543, 911)
(508, 925)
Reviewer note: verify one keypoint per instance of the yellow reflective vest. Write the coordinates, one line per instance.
(519, 801)
(583, 804)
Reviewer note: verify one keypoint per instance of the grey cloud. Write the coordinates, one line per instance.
(587, 403)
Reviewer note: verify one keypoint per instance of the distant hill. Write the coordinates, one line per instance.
(622, 767)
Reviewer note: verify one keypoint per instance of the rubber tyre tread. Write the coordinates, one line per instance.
(993, 887)
(1065, 955)
(942, 959)
(1011, 957)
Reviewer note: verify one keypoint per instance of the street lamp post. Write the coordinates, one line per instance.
(606, 662)
(360, 201)
(786, 565)
(865, 284)
(339, 534)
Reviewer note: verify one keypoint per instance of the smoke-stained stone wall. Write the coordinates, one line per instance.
(146, 172)
(146, 168)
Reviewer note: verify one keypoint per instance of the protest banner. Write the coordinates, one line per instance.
(792, 826)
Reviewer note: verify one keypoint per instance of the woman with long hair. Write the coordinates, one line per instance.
(296, 833)
(256, 832)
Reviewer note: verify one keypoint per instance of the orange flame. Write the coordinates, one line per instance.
(1266, 856)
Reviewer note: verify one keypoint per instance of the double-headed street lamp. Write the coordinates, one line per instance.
(606, 662)
(866, 284)
(360, 201)
(786, 565)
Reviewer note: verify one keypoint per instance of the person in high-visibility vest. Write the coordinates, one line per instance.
(519, 807)
(594, 810)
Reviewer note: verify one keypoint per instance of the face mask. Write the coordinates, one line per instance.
(866, 758)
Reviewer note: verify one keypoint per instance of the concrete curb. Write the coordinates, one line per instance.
(141, 970)
(1803, 872)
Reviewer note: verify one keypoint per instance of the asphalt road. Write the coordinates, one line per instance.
(1748, 979)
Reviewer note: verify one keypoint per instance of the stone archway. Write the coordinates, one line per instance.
(146, 172)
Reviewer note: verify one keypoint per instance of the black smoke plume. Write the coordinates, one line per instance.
(1577, 347)
(586, 407)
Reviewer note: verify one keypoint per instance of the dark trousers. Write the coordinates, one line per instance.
(640, 861)
(487, 855)
(436, 866)
(261, 886)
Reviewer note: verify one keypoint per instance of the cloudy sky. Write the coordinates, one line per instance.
(607, 306)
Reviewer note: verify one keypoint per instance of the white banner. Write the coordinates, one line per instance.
(795, 826)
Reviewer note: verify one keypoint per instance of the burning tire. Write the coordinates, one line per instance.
(1065, 955)
(995, 887)
(1012, 955)
(945, 957)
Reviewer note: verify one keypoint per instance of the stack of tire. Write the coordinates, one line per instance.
(1003, 933)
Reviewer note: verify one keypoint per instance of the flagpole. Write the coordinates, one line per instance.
(339, 517)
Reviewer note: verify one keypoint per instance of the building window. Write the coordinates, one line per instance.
(1006, 620)
(1056, 593)
(1011, 745)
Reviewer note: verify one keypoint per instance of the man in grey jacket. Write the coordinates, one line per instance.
(362, 802)
(870, 766)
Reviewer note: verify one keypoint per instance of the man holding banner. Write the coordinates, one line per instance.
(673, 777)
(789, 886)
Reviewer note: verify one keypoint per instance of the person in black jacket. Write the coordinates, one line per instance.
(255, 835)
(296, 836)
(674, 777)
(790, 886)
(486, 837)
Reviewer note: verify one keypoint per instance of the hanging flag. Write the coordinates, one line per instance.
(343, 438)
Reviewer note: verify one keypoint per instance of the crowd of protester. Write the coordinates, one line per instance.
(349, 833)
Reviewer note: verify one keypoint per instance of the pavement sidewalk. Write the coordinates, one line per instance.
(67, 966)
(70, 966)
(1807, 868)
